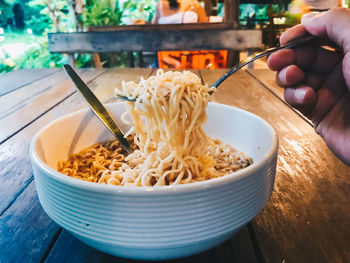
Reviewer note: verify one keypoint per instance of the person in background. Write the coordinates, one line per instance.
(317, 80)
(183, 12)
(179, 12)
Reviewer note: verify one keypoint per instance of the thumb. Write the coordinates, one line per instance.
(334, 24)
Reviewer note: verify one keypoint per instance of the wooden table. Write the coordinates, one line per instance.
(306, 220)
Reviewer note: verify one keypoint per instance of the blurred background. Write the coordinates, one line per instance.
(25, 24)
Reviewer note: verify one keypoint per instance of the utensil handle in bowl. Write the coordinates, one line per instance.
(97, 107)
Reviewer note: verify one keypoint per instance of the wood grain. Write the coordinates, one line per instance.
(308, 216)
(21, 114)
(155, 40)
(16, 172)
(18, 98)
(207, 7)
(268, 79)
(69, 249)
(19, 78)
(306, 220)
(231, 12)
(17, 191)
(163, 27)
(26, 232)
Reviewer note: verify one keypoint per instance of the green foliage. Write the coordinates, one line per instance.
(38, 22)
(39, 56)
(44, 16)
(142, 9)
(36, 56)
(5, 66)
(83, 60)
(6, 13)
(54, 12)
(102, 13)
(110, 12)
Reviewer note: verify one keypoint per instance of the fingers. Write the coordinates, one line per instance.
(289, 76)
(346, 67)
(315, 103)
(314, 80)
(334, 24)
(292, 75)
(280, 59)
(331, 91)
(310, 58)
(330, 128)
(301, 97)
(292, 33)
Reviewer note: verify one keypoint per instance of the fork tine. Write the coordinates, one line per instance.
(121, 97)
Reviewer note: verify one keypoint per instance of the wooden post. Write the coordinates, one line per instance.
(232, 16)
(96, 56)
(71, 60)
(97, 60)
(79, 7)
(140, 57)
(76, 9)
(207, 7)
(231, 12)
(131, 59)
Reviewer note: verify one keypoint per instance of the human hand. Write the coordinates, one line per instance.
(316, 80)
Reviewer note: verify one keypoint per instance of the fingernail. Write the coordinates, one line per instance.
(299, 95)
(283, 75)
(281, 38)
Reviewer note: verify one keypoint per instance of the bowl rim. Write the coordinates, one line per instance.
(152, 190)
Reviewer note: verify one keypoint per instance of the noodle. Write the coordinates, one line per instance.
(170, 145)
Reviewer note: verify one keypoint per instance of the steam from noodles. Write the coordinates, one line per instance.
(171, 146)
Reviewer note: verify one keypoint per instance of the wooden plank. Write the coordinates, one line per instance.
(268, 78)
(17, 201)
(26, 232)
(15, 174)
(164, 27)
(155, 40)
(19, 78)
(232, 58)
(308, 216)
(69, 249)
(16, 99)
(28, 110)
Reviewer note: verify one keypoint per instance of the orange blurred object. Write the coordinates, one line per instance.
(202, 59)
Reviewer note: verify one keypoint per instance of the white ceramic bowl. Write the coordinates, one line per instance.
(154, 223)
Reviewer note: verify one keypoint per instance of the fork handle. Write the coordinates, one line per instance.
(294, 43)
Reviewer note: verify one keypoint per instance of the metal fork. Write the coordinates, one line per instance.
(295, 43)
